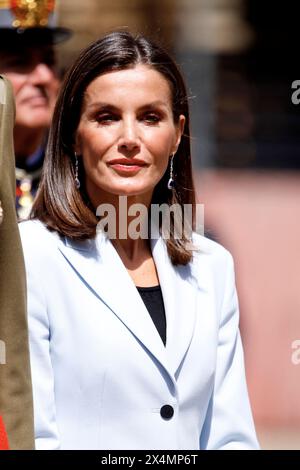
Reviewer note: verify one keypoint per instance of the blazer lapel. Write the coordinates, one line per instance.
(102, 271)
(179, 289)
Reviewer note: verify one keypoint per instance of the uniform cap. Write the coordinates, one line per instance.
(30, 22)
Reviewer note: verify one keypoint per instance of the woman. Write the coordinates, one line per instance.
(105, 374)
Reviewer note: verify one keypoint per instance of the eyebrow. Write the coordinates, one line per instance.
(103, 105)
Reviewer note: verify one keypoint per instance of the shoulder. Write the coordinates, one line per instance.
(210, 249)
(32, 229)
(6, 91)
(37, 240)
(2, 90)
(213, 268)
(212, 263)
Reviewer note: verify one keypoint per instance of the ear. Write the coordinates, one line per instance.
(179, 131)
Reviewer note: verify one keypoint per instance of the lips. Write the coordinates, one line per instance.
(127, 162)
(124, 166)
(36, 101)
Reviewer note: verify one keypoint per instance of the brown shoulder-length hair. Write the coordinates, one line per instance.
(59, 204)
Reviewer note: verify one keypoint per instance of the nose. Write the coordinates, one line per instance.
(41, 74)
(129, 137)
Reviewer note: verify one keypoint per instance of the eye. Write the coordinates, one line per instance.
(19, 65)
(106, 118)
(49, 60)
(151, 118)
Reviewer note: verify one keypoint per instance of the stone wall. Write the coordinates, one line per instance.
(93, 18)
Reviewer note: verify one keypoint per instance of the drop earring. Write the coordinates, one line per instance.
(171, 182)
(76, 179)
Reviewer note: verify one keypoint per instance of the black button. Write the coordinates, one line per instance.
(166, 411)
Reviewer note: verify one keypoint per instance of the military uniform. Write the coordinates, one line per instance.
(27, 181)
(15, 382)
(24, 28)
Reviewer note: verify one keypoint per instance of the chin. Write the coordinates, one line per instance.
(134, 190)
(126, 192)
(37, 123)
(36, 118)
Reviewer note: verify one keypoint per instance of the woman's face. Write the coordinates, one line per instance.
(126, 133)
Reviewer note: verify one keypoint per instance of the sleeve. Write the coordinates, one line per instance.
(229, 423)
(15, 381)
(45, 426)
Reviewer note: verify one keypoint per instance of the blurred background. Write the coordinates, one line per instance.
(239, 58)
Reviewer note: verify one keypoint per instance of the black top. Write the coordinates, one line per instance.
(153, 300)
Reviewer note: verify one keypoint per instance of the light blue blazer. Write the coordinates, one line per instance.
(100, 371)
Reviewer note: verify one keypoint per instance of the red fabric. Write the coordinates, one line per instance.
(3, 436)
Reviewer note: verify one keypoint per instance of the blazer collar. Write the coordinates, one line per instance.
(99, 266)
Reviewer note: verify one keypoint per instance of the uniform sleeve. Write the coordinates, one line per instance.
(15, 381)
(46, 432)
(229, 422)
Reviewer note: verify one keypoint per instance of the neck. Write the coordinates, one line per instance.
(27, 141)
(131, 251)
(125, 224)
